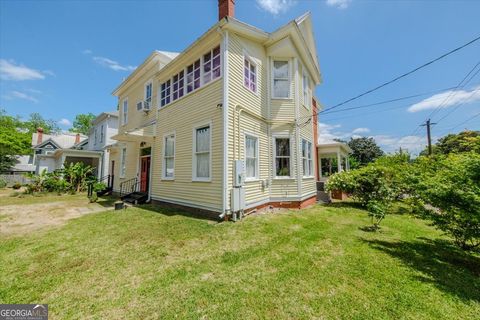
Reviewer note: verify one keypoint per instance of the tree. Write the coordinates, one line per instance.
(365, 150)
(14, 140)
(37, 121)
(82, 123)
(464, 141)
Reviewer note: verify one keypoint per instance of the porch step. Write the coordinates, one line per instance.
(135, 198)
(107, 191)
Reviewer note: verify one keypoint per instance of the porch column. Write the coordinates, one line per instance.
(339, 162)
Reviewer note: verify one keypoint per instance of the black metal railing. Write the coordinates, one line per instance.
(108, 180)
(129, 186)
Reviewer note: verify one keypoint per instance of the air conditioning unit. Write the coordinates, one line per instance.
(144, 105)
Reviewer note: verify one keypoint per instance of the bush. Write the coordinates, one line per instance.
(449, 196)
(3, 183)
(17, 186)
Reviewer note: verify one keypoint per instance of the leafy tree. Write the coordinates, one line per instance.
(448, 194)
(365, 150)
(36, 121)
(82, 123)
(14, 140)
(464, 141)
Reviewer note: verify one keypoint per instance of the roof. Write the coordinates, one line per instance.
(169, 54)
(23, 164)
(62, 140)
(327, 146)
(104, 115)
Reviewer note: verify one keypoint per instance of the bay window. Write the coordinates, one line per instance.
(281, 79)
(202, 152)
(307, 159)
(250, 75)
(282, 157)
(251, 157)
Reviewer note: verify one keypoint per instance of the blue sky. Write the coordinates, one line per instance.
(61, 58)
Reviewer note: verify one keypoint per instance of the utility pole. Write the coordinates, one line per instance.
(429, 137)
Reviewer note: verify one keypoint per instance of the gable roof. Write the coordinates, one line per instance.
(62, 140)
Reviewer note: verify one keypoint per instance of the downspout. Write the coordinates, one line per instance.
(297, 131)
(225, 110)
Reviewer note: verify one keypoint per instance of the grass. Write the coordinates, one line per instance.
(156, 263)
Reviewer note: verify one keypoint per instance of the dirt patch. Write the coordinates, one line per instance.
(23, 218)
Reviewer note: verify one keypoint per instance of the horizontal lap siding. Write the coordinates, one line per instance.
(253, 102)
(182, 117)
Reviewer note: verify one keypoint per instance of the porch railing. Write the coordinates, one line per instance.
(129, 186)
(108, 180)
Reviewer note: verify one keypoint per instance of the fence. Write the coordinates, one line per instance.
(11, 179)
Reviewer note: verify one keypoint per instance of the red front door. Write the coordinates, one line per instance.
(144, 174)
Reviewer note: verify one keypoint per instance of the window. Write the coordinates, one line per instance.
(251, 157)
(169, 157)
(250, 75)
(165, 93)
(281, 79)
(307, 158)
(202, 153)
(282, 157)
(123, 167)
(178, 85)
(148, 93)
(125, 111)
(101, 134)
(95, 136)
(211, 65)
(306, 91)
(193, 76)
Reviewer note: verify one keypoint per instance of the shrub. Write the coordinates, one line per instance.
(16, 186)
(3, 183)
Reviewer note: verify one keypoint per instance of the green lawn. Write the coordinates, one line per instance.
(316, 263)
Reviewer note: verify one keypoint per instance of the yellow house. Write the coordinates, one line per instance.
(225, 126)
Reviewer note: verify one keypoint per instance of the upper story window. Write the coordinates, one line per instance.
(202, 159)
(193, 76)
(307, 158)
(123, 166)
(148, 93)
(250, 75)
(307, 100)
(102, 134)
(95, 136)
(165, 93)
(281, 79)
(211, 65)
(282, 157)
(178, 85)
(125, 111)
(251, 157)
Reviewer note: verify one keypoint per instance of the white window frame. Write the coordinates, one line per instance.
(193, 75)
(194, 153)
(125, 111)
(168, 88)
(307, 159)
(180, 85)
(275, 137)
(307, 92)
(164, 156)
(148, 83)
(102, 135)
(203, 63)
(257, 158)
(289, 78)
(247, 58)
(123, 162)
(95, 136)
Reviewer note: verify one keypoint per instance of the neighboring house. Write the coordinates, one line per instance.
(53, 152)
(227, 125)
(24, 164)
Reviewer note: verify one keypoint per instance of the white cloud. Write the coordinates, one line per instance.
(340, 4)
(65, 122)
(451, 97)
(114, 65)
(412, 144)
(20, 95)
(87, 51)
(361, 130)
(276, 6)
(18, 72)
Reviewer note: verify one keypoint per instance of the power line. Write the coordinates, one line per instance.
(469, 119)
(403, 75)
(459, 104)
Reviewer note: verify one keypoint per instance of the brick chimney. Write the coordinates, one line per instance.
(226, 8)
(77, 138)
(39, 135)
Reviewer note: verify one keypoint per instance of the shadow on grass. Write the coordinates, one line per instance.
(345, 204)
(448, 268)
(107, 201)
(173, 210)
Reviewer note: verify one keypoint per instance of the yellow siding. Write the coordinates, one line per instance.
(181, 117)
